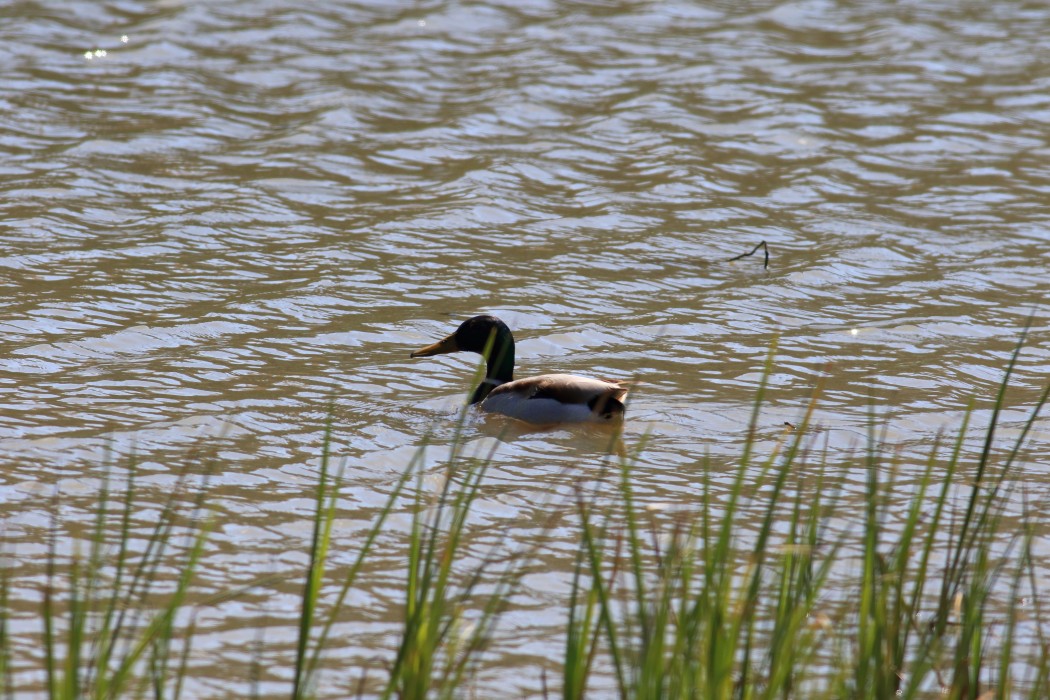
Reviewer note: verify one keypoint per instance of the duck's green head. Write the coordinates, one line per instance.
(485, 335)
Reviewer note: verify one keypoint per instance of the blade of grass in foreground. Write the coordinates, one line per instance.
(162, 620)
(973, 519)
(581, 639)
(434, 603)
(6, 684)
(306, 673)
(324, 514)
(441, 641)
(86, 602)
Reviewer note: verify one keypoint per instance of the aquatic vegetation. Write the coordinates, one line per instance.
(823, 599)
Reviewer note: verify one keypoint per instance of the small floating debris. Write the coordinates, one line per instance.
(762, 244)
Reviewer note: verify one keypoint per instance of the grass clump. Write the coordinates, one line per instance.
(108, 623)
(685, 604)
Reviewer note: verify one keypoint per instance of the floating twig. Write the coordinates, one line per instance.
(765, 265)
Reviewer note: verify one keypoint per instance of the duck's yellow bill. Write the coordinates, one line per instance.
(441, 347)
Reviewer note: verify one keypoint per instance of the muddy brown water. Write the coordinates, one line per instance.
(218, 220)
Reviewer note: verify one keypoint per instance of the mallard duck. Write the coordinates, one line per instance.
(548, 398)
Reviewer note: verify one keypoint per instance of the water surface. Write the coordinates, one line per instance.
(222, 224)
